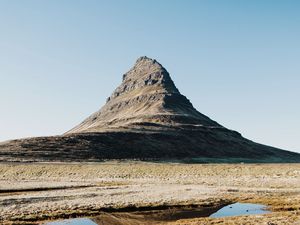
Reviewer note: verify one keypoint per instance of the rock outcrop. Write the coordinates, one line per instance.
(146, 118)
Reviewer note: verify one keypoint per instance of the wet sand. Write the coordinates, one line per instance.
(39, 192)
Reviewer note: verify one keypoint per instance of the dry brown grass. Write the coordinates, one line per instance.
(73, 190)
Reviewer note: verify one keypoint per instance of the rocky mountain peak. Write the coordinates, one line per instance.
(147, 95)
(146, 74)
(145, 60)
(143, 66)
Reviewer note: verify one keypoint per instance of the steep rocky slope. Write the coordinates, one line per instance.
(146, 117)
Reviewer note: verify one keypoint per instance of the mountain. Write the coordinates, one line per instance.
(145, 118)
(147, 100)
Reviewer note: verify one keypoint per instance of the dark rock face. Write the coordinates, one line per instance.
(147, 118)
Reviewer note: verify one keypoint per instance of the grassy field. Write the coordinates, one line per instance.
(35, 192)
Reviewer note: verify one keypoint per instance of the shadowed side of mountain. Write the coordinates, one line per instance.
(199, 146)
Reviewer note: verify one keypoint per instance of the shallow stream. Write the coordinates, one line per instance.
(236, 209)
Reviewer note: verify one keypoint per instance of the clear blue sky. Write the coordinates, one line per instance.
(237, 61)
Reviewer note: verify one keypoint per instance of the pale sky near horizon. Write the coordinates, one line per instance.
(237, 61)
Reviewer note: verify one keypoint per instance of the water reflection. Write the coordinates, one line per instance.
(239, 209)
(164, 215)
(79, 221)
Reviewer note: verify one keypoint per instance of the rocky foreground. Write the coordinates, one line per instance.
(33, 193)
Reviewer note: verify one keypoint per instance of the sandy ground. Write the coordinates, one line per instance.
(40, 191)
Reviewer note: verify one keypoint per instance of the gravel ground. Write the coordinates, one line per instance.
(31, 192)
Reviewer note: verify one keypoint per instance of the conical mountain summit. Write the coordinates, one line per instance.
(147, 97)
(145, 118)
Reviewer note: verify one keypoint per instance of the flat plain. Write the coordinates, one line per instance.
(39, 192)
